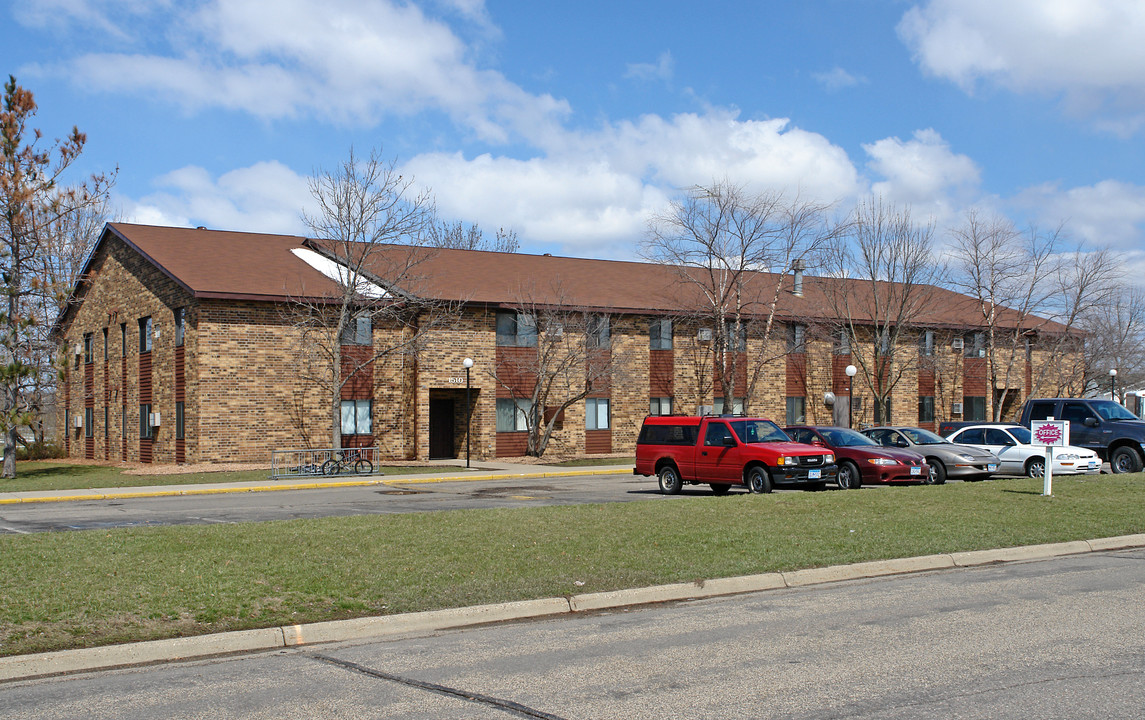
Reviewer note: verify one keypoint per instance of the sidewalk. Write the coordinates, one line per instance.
(451, 471)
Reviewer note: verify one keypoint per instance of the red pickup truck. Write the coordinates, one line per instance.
(722, 451)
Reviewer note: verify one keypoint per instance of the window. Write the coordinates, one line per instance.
(974, 408)
(512, 415)
(660, 334)
(1041, 409)
(737, 341)
(597, 331)
(717, 431)
(87, 348)
(357, 417)
(882, 411)
(180, 421)
(145, 336)
(843, 344)
(123, 423)
(89, 422)
(123, 340)
(106, 422)
(596, 414)
(796, 338)
(796, 410)
(926, 343)
(179, 334)
(144, 420)
(925, 408)
(359, 330)
(516, 329)
(660, 406)
(105, 344)
(737, 406)
(994, 436)
(974, 345)
(973, 436)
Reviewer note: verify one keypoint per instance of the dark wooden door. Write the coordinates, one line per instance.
(441, 429)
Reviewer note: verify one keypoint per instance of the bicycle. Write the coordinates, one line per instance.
(346, 461)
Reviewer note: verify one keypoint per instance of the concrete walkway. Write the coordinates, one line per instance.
(451, 471)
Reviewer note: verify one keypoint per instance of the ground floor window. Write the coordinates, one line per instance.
(179, 424)
(926, 408)
(974, 408)
(796, 410)
(511, 414)
(357, 417)
(737, 406)
(88, 422)
(660, 406)
(145, 421)
(596, 414)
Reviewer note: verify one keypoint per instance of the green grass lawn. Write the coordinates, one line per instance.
(48, 475)
(80, 589)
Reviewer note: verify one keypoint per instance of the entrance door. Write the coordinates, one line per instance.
(441, 428)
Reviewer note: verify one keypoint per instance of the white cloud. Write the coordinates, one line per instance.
(265, 197)
(1109, 213)
(660, 70)
(838, 78)
(924, 173)
(1089, 52)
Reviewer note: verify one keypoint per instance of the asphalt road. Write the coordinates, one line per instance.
(1055, 639)
(399, 497)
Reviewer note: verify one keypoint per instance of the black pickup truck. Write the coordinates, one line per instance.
(1103, 426)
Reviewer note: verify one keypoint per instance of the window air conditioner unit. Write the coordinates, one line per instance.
(155, 419)
(956, 343)
(704, 335)
(956, 408)
(79, 349)
(981, 352)
(705, 409)
(78, 421)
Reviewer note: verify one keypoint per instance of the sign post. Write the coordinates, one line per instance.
(1049, 433)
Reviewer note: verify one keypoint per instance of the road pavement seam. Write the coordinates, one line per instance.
(184, 490)
(24, 667)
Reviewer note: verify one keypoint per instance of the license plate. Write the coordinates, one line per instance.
(814, 474)
(915, 470)
(992, 467)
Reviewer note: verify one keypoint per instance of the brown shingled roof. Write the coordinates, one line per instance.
(218, 264)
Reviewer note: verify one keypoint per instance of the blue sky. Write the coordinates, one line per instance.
(572, 123)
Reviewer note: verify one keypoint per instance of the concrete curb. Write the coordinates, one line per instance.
(178, 490)
(24, 667)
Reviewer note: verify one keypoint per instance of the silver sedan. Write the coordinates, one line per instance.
(946, 459)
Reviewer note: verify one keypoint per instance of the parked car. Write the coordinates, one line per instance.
(1102, 426)
(1016, 456)
(861, 459)
(722, 451)
(944, 457)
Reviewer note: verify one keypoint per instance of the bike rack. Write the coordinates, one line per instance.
(308, 463)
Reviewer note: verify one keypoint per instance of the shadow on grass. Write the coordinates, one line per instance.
(1022, 492)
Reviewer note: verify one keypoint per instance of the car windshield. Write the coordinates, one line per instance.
(844, 437)
(918, 436)
(1021, 434)
(1109, 410)
(758, 431)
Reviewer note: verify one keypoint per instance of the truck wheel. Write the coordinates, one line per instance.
(720, 489)
(1125, 460)
(937, 474)
(670, 483)
(1036, 467)
(758, 481)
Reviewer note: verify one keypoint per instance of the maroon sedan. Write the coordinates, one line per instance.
(861, 459)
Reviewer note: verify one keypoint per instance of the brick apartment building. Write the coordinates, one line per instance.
(178, 350)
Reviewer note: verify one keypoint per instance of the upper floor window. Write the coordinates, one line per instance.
(974, 344)
(105, 344)
(736, 334)
(180, 313)
(597, 331)
(660, 334)
(87, 348)
(359, 330)
(145, 335)
(123, 338)
(926, 343)
(516, 329)
(796, 338)
(843, 342)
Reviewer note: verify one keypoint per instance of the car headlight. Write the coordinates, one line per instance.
(968, 458)
(1068, 456)
(882, 461)
(784, 460)
(830, 459)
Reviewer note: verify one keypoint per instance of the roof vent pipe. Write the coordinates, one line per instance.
(797, 268)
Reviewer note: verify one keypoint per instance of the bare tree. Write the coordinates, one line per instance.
(886, 275)
(36, 209)
(732, 250)
(1115, 339)
(369, 230)
(552, 355)
(454, 235)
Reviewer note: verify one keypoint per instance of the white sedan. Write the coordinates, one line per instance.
(1011, 443)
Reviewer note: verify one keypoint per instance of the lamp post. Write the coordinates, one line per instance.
(1113, 384)
(468, 363)
(851, 370)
